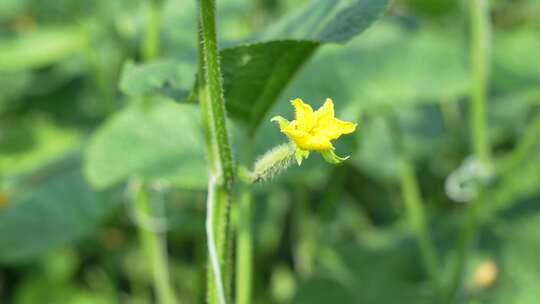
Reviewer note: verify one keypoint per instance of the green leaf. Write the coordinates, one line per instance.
(158, 140)
(515, 244)
(41, 48)
(356, 273)
(515, 59)
(29, 142)
(328, 21)
(516, 185)
(388, 67)
(165, 77)
(55, 209)
(256, 74)
(14, 86)
(252, 84)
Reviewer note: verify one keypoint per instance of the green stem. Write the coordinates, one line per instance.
(522, 150)
(303, 236)
(154, 247)
(464, 247)
(244, 238)
(221, 168)
(414, 205)
(480, 45)
(154, 242)
(151, 43)
(244, 257)
(480, 42)
(417, 219)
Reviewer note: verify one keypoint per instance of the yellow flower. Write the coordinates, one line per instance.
(314, 130)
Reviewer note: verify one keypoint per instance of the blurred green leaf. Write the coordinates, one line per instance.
(389, 67)
(11, 8)
(61, 265)
(327, 21)
(165, 77)
(518, 184)
(53, 208)
(514, 245)
(515, 59)
(14, 85)
(365, 273)
(34, 140)
(41, 47)
(151, 140)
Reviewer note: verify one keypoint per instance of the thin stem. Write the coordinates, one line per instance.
(244, 238)
(416, 213)
(154, 246)
(303, 238)
(151, 43)
(523, 148)
(463, 249)
(244, 257)
(480, 48)
(480, 42)
(212, 249)
(417, 219)
(219, 153)
(153, 242)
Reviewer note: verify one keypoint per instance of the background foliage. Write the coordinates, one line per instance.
(76, 125)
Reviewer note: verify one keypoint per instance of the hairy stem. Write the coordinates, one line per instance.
(221, 169)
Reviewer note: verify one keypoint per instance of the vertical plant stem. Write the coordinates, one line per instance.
(215, 269)
(151, 44)
(154, 242)
(480, 43)
(303, 234)
(480, 48)
(417, 219)
(415, 207)
(244, 257)
(154, 246)
(527, 143)
(463, 249)
(219, 153)
(244, 238)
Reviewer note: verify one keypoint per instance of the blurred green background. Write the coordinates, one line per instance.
(74, 130)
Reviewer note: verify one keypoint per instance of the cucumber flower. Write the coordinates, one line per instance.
(314, 130)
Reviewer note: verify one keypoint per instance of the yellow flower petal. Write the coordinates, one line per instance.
(305, 140)
(346, 127)
(326, 112)
(304, 114)
(316, 143)
(315, 130)
(335, 129)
